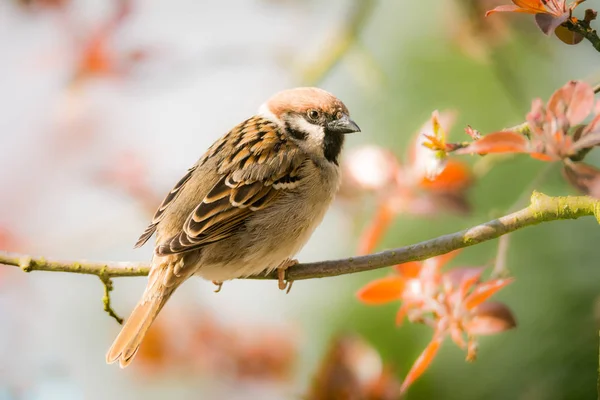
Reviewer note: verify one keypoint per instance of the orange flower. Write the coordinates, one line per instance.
(453, 303)
(430, 155)
(425, 185)
(550, 126)
(550, 15)
(552, 7)
(556, 133)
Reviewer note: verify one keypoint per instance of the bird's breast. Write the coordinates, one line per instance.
(274, 233)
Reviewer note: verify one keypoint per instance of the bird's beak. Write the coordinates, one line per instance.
(343, 125)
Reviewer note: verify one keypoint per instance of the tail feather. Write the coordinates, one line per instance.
(162, 282)
(127, 343)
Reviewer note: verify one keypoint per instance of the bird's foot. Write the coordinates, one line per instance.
(219, 286)
(285, 284)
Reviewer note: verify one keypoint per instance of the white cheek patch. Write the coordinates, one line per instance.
(315, 133)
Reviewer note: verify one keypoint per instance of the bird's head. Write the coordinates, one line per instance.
(315, 119)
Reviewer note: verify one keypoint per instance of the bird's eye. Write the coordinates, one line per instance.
(313, 114)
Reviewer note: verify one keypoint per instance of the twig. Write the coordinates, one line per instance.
(500, 270)
(108, 287)
(104, 271)
(108, 270)
(542, 209)
(583, 27)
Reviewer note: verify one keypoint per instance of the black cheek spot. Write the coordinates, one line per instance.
(295, 133)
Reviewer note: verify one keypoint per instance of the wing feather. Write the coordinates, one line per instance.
(163, 206)
(261, 164)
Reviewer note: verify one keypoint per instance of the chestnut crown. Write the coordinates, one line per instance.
(314, 118)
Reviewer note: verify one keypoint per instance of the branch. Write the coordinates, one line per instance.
(102, 270)
(542, 209)
(582, 27)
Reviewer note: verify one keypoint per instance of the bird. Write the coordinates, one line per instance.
(247, 206)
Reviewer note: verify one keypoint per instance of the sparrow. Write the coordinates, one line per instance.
(247, 206)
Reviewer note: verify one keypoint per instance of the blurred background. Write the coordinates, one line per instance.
(106, 104)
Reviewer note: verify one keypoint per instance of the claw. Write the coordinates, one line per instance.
(283, 283)
(219, 286)
(289, 286)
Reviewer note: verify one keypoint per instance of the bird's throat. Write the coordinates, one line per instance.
(332, 146)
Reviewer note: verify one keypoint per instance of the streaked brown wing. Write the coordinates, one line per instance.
(261, 165)
(163, 206)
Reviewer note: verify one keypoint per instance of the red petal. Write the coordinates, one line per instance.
(96, 56)
(484, 291)
(469, 281)
(463, 276)
(446, 258)
(548, 22)
(584, 177)
(382, 290)
(532, 6)
(577, 97)
(402, 311)
(587, 142)
(455, 177)
(376, 229)
(594, 124)
(497, 142)
(542, 157)
(581, 103)
(422, 362)
(508, 8)
(490, 318)
(456, 334)
(410, 269)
